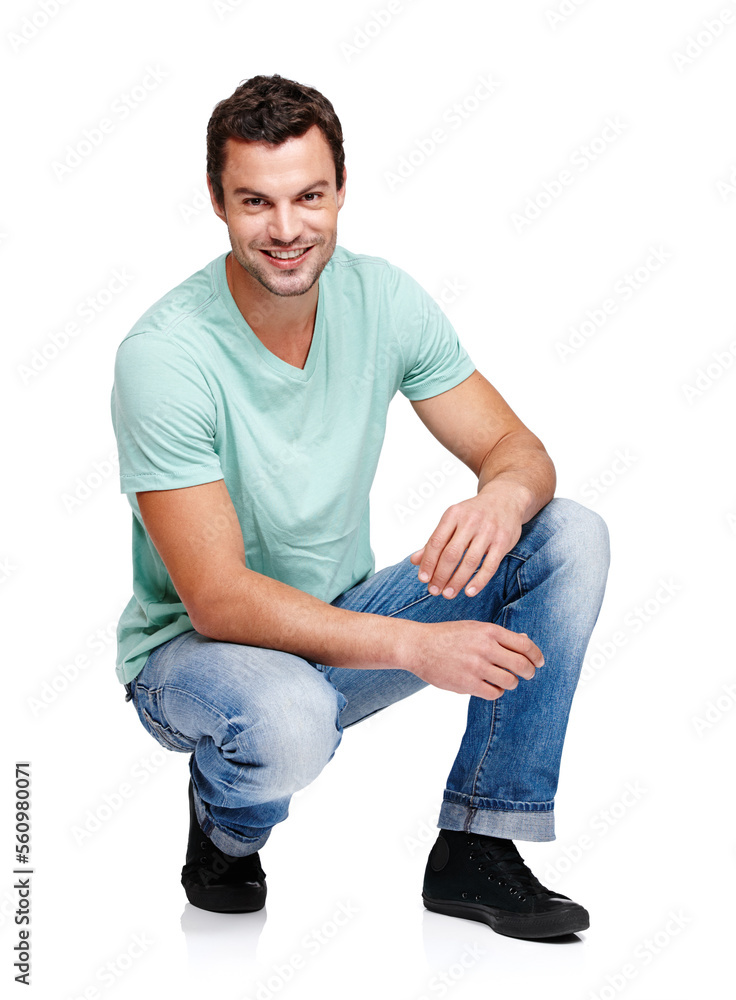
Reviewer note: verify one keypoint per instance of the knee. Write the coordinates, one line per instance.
(580, 534)
(289, 738)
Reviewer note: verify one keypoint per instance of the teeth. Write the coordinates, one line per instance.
(285, 254)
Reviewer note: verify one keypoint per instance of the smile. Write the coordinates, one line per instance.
(287, 254)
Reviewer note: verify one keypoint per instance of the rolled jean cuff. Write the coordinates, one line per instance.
(498, 818)
(234, 847)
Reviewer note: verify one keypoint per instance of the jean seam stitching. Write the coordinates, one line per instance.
(163, 731)
(411, 605)
(494, 714)
(507, 805)
(491, 733)
(194, 697)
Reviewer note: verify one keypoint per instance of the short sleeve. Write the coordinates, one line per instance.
(434, 358)
(164, 416)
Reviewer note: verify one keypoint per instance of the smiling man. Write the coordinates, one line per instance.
(249, 405)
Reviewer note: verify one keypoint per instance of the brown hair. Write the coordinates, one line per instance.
(270, 109)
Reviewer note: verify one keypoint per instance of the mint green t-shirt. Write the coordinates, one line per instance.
(197, 397)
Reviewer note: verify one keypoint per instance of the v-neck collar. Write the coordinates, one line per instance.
(271, 359)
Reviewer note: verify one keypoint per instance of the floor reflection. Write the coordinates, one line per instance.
(451, 942)
(222, 946)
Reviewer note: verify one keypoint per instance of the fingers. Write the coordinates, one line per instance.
(487, 691)
(446, 566)
(514, 656)
(500, 678)
(490, 690)
(504, 678)
(455, 551)
(520, 643)
(489, 564)
(474, 555)
(513, 666)
(440, 558)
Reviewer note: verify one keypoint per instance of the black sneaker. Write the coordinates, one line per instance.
(484, 878)
(216, 881)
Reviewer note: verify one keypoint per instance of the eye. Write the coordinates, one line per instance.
(252, 201)
(313, 194)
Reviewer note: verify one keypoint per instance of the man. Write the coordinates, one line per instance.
(249, 404)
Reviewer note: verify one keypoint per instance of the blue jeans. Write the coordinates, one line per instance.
(261, 724)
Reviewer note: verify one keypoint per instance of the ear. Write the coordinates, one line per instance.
(341, 192)
(219, 209)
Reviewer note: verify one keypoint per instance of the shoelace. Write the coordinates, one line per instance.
(504, 861)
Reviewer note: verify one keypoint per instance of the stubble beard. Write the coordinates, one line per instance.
(258, 270)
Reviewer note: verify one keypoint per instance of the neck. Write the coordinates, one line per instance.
(271, 317)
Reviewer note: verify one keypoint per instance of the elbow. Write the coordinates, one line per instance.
(211, 607)
(199, 618)
(210, 618)
(199, 602)
(551, 475)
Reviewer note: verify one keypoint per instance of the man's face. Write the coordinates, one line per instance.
(278, 199)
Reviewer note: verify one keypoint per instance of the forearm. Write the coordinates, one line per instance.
(520, 468)
(255, 610)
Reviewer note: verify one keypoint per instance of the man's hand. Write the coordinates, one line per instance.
(487, 524)
(475, 658)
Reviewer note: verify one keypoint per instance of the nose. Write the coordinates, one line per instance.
(284, 223)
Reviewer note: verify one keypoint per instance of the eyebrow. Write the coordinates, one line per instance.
(257, 194)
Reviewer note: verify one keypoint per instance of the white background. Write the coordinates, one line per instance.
(654, 710)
